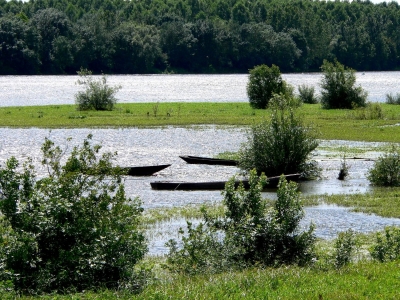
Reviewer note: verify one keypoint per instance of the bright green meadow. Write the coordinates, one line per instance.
(354, 125)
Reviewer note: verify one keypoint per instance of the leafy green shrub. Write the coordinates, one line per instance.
(98, 95)
(250, 233)
(387, 247)
(69, 230)
(393, 99)
(344, 248)
(263, 83)
(338, 90)
(281, 145)
(386, 170)
(307, 94)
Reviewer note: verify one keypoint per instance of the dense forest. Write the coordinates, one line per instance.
(195, 36)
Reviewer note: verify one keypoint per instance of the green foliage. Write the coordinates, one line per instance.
(281, 145)
(344, 248)
(219, 36)
(372, 111)
(69, 230)
(387, 247)
(393, 99)
(338, 90)
(263, 83)
(386, 170)
(98, 95)
(250, 232)
(307, 94)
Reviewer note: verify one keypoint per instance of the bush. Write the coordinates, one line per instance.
(307, 94)
(393, 99)
(250, 233)
(281, 145)
(68, 231)
(387, 247)
(344, 248)
(98, 95)
(263, 83)
(338, 90)
(386, 170)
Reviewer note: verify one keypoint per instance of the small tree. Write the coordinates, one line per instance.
(338, 90)
(98, 95)
(307, 94)
(281, 145)
(69, 230)
(263, 83)
(386, 170)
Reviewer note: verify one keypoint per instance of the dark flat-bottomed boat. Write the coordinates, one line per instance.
(208, 160)
(144, 170)
(215, 185)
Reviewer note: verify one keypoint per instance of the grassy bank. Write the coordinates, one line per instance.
(332, 124)
(365, 280)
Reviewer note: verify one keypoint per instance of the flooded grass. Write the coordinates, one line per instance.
(383, 202)
(332, 124)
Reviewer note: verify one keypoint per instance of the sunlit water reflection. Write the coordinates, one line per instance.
(57, 90)
(164, 145)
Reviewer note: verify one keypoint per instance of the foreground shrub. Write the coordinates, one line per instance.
(263, 83)
(338, 90)
(281, 145)
(68, 231)
(250, 233)
(386, 170)
(387, 247)
(98, 95)
(307, 94)
(344, 248)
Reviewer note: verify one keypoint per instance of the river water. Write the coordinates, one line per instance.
(46, 90)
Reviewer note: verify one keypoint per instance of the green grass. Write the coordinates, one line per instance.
(332, 124)
(364, 280)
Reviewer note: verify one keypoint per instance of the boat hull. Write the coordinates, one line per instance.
(215, 185)
(208, 160)
(144, 170)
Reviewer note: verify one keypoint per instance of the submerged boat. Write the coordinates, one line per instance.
(208, 160)
(215, 185)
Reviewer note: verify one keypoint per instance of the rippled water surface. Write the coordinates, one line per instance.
(137, 147)
(45, 90)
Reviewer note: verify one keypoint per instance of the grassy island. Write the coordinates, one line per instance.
(356, 125)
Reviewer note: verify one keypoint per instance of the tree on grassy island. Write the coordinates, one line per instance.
(386, 170)
(338, 90)
(281, 145)
(68, 231)
(98, 95)
(263, 83)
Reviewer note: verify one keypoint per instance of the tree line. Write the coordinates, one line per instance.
(195, 36)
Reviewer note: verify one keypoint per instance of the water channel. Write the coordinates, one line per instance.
(164, 145)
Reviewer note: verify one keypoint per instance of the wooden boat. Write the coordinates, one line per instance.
(214, 185)
(144, 170)
(208, 160)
